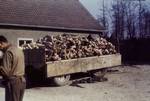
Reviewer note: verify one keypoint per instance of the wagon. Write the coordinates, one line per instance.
(60, 71)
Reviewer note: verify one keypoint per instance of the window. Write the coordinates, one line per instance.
(22, 41)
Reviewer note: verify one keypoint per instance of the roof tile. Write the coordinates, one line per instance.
(49, 13)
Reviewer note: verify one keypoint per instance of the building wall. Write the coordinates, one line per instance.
(13, 34)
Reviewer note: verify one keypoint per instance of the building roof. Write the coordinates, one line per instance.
(52, 14)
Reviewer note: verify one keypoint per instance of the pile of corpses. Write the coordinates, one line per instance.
(63, 47)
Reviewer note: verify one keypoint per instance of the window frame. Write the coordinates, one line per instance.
(23, 39)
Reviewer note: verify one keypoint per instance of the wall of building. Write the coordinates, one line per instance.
(13, 34)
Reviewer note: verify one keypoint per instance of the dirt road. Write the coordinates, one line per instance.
(129, 83)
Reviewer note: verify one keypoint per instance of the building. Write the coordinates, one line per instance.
(24, 21)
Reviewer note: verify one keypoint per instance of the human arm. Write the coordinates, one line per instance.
(6, 66)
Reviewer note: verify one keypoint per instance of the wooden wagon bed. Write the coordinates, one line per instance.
(82, 64)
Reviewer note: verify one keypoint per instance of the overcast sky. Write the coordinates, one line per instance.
(93, 6)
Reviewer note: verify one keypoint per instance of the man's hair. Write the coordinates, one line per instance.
(3, 39)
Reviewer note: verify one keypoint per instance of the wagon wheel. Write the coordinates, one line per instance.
(61, 80)
(100, 75)
(101, 72)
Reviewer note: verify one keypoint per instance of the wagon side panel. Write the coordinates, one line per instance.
(82, 65)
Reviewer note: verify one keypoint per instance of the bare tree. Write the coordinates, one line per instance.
(146, 18)
(141, 12)
(130, 19)
(103, 17)
(118, 21)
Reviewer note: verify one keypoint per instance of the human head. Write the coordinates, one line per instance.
(3, 42)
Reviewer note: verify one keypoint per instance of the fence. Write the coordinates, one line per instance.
(135, 50)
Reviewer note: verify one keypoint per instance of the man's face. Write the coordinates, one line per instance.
(2, 45)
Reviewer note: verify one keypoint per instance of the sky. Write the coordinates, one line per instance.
(93, 6)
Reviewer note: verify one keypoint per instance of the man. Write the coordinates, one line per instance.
(12, 71)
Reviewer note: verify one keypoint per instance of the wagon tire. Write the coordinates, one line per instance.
(100, 75)
(61, 80)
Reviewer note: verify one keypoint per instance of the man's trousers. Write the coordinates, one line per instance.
(14, 89)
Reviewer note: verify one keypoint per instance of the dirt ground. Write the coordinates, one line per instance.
(125, 83)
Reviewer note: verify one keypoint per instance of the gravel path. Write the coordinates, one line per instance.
(129, 83)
